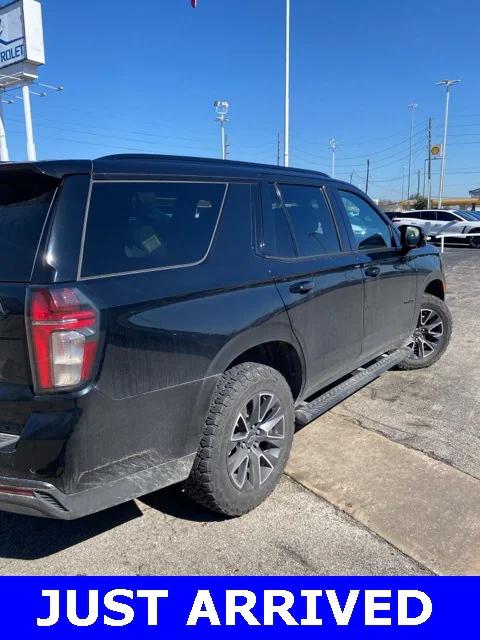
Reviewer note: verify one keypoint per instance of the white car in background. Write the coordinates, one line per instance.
(436, 222)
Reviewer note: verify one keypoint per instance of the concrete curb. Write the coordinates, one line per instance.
(425, 508)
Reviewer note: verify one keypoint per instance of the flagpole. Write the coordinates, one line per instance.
(287, 86)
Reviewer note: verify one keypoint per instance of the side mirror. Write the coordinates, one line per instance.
(412, 237)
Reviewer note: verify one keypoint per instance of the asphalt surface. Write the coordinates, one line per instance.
(436, 410)
(294, 532)
(297, 531)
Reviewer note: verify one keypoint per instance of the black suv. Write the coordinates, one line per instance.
(170, 319)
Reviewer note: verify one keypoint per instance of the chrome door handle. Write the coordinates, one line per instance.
(302, 287)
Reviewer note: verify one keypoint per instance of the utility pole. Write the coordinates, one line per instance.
(286, 156)
(403, 183)
(368, 176)
(429, 197)
(278, 149)
(424, 177)
(412, 106)
(221, 107)
(333, 146)
(419, 173)
(447, 84)
(351, 176)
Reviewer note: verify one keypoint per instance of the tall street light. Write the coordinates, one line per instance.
(412, 106)
(286, 154)
(221, 107)
(447, 84)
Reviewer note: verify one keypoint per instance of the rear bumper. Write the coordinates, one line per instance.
(42, 499)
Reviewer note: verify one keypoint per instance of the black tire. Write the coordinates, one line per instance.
(228, 437)
(439, 310)
(474, 241)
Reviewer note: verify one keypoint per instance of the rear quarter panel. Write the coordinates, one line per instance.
(169, 335)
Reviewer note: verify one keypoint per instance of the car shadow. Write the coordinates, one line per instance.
(31, 538)
(173, 502)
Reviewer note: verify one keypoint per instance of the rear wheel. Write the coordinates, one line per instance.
(431, 335)
(246, 440)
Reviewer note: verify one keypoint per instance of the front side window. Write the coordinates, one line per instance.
(446, 216)
(369, 229)
(311, 220)
(135, 226)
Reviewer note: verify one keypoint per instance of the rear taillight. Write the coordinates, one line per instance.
(64, 332)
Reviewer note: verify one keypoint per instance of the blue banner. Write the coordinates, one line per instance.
(214, 608)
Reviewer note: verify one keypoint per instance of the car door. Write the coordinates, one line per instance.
(449, 222)
(389, 274)
(432, 226)
(317, 275)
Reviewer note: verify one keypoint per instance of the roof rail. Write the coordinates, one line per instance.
(232, 163)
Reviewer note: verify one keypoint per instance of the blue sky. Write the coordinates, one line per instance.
(142, 76)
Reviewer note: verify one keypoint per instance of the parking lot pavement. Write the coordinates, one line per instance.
(294, 532)
(436, 410)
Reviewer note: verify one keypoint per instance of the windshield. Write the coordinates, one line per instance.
(471, 216)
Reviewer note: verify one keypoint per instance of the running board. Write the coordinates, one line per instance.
(308, 411)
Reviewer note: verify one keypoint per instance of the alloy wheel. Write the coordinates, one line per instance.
(427, 337)
(257, 442)
(475, 242)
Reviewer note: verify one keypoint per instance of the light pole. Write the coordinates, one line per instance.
(286, 142)
(221, 107)
(333, 145)
(447, 84)
(31, 151)
(4, 156)
(412, 106)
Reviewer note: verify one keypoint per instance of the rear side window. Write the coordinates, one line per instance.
(136, 226)
(300, 223)
(21, 224)
(311, 220)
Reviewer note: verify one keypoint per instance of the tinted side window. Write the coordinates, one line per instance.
(369, 229)
(445, 216)
(429, 215)
(21, 224)
(311, 220)
(134, 226)
(277, 236)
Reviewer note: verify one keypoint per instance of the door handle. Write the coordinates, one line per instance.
(372, 272)
(302, 287)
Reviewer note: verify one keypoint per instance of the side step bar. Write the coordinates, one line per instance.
(308, 411)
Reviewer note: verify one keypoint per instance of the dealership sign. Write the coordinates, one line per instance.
(21, 35)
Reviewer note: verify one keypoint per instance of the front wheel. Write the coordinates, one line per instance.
(431, 335)
(474, 241)
(246, 440)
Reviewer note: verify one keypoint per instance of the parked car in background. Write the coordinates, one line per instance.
(170, 319)
(436, 222)
(392, 214)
